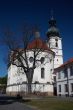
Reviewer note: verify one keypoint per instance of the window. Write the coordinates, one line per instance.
(50, 60)
(57, 59)
(50, 69)
(31, 59)
(59, 75)
(56, 39)
(66, 88)
(71, 70)
(65, 73)
(71, 87)
(56, 44)
(54, 78)
(59, 88)
(42, 60)
(42, 72)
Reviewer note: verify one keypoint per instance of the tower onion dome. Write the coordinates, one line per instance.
(53, 30)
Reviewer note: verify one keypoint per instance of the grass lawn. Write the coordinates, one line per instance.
(51, 104)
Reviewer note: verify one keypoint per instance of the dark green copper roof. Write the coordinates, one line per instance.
(53, 30)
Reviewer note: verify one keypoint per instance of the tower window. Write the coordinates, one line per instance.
(56, 44)
(42, 72)
(56, 39)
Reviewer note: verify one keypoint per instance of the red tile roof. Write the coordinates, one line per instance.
(66, 63)
(38, 44)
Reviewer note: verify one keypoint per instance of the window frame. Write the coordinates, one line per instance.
(66, 87)
(71, 87)
(65, 73)
(59, 75)
(59, 87)
(56, 44)
(42, 73)
(71, 70)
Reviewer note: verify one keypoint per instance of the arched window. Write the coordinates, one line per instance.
(31, 59)
(56, 44)
(42, 60)
(42, 72)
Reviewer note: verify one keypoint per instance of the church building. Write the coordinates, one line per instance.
(50, 57)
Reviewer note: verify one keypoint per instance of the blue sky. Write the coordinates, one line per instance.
(14, 13)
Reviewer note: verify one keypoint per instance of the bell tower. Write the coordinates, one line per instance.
(54, 42)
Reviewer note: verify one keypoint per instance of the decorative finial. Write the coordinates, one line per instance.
(52, 21)
(37, 34)
(52, 13)
(36, 31)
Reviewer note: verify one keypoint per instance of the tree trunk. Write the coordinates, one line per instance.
(29, 87)
(29, 75)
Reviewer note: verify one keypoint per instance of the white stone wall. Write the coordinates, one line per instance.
(17, 77)
(58, 60)
(62, 81)
(35, 88)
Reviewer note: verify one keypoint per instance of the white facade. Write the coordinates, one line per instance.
(64, 80)
(55, 44)
(17, 80)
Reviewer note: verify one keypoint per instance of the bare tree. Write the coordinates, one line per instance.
(19, 54)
